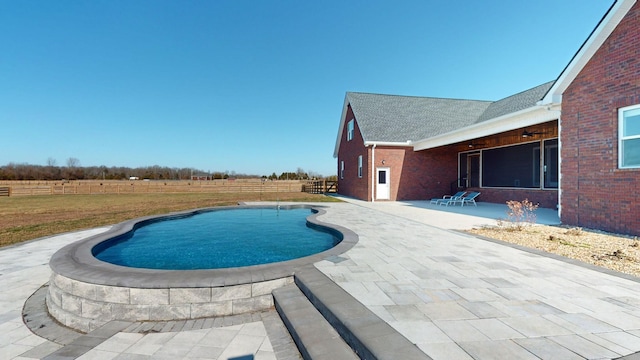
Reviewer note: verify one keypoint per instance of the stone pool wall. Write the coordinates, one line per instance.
(85, 293)
(85, 307)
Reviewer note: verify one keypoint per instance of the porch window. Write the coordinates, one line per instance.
(350, 130)
(512, 166)
(532, 165)
(469, 169)
(629, 137)
(550, 167)
(360, 166)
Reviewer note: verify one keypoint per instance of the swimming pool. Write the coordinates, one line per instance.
(85, 293)
(217, 240)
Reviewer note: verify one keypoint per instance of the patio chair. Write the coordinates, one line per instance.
(457, 195)
(469, 198)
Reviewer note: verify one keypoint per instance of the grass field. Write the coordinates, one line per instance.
(30, 217)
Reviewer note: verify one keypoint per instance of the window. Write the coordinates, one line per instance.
(469, 169)
(360, 166)
(629, 137)
(550, 167)
(350, 129)
(512, 166)
(342, 169)
(382, 177)
(531, 165)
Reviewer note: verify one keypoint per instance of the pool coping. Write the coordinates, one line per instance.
(76, 261)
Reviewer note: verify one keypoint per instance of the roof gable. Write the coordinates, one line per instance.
(397, 120)
(597, 38)
(393, 118)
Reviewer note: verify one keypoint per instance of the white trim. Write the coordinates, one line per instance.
(373, 173)
(387, 194)
(606, 26)
(523, 118)
(559, 205)
(341, 126)
(408, 143)
(621, 136)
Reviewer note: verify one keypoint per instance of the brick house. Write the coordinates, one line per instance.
(571, 144)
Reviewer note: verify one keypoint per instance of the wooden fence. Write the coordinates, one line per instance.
(320, 187)
(131, 187)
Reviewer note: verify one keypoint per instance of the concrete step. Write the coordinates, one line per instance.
(368, 335)
(313, 335)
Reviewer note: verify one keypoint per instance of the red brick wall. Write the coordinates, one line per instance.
(544, 198)
(595, 193)
(351, 185)
(427, 174)
(415, 175)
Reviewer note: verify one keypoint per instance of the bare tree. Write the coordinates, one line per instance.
(51, 162)
(73, 162)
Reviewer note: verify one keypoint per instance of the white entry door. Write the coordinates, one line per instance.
(383, 188)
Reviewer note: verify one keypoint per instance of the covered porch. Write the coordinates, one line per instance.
(453, 217)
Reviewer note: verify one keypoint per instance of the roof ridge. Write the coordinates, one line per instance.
(527, 90)
(418, 97)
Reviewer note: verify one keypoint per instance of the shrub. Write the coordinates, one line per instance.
(574, 231)
(520, 214)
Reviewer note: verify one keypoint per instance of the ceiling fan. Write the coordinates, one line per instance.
(526, 133)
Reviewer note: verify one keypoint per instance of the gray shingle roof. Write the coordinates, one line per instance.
(395, 118)
(517, 102)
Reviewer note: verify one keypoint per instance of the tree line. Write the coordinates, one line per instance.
(74, 171)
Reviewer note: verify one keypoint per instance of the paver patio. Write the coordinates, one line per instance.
(457, 296)
(452, 294)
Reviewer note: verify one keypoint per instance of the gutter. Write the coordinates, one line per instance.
(388, 143)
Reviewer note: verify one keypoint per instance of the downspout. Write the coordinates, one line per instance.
(373, 172)
(560, 177)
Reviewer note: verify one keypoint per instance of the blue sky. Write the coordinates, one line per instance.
(253, 86)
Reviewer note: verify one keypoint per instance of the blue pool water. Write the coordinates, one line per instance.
(217, 239)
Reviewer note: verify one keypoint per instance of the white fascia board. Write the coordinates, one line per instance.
(523, 118)
(588, 49)
(341, 128)
(388, 143)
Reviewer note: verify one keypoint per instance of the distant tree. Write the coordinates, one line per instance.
(73, 162)
(314, 175)
(300, 174)
(73, 172)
